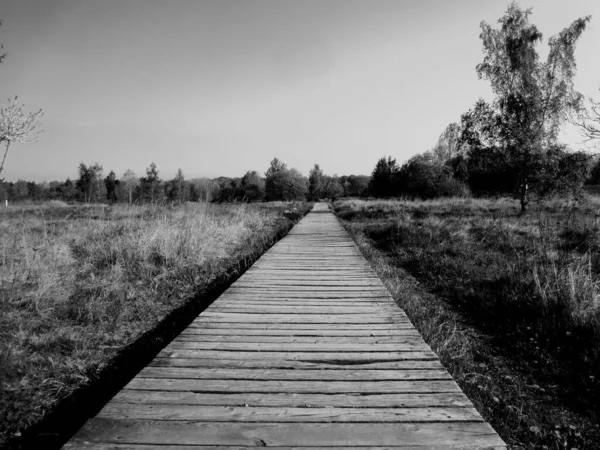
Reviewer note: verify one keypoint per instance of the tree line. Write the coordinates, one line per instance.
(279, 183)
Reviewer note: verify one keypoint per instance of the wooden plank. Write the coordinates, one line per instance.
(300, 318)
(349, 357)
(242, 414)
(292, 375)
(412, 400)
(115, 446)
(300, 332)
(294, 347)
(330, 340)
(296, 364)
(314, 387)
(285, 435)
(372, 327)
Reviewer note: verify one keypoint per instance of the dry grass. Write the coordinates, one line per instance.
(79, 283)
(509, 302)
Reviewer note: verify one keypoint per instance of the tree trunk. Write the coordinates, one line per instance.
(4, 158)
(524, 198)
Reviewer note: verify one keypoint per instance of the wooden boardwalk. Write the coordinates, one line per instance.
(306, 350)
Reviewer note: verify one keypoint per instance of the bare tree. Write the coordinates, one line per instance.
(588, 120)
(17, 126)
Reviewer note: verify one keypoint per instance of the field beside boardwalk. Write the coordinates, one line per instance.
(78, 283)
(510, 302)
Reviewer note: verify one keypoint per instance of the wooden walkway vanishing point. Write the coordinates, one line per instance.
(306, 350)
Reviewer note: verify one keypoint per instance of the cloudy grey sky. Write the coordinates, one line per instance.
(219, 87)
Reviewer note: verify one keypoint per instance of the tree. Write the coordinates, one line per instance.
(384, 179)
(90, 183)
(150, 185)
(253, 186)
(177, 188)
(533, 98)
(16, 126)
(111, 184)
(284, 184)
(130, 181)
(448, 146)
(315, 183)
(332, 188)
(588, 120)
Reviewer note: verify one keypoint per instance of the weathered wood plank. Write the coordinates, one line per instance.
(294, 347)
(330, 340)
(349, 356)
(412, 400)
(285, 435)
(314, 387)
(288, 414)
(292, 375)
(300, 332)
(296, 364)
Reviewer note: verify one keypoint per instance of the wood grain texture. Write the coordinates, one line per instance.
(306, 350)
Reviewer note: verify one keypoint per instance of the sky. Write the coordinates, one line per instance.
(220, 87)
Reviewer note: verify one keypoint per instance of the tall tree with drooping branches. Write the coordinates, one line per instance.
(533, 98)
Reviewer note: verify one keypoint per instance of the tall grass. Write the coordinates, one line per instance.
(494, 287)
(78, 283)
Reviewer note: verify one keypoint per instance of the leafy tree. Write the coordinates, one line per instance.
(422, 177)
(315, 183)
(384, 179)
(533, 98)
(332, 188)
(16, 126)
(284, 184)
(130, 183)
(355, 185)
(177, 188)
(150, 185)
(90, 183)
(448, 146)
(253, 186)
(111, 184)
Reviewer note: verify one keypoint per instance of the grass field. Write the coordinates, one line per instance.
(78, 283)
(511, 304)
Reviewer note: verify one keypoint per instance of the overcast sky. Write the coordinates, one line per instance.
(219, 87)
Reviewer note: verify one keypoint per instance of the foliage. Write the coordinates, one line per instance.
(355, 185)
(384, 179)
(533, 98)
(91, 184)
(448, 146)
(112, 185)
(17, 126)
(315, 183)
(150, 188)
(423, 178)
(253, 186)
(130, 182)
(284, 184)
(177, 189)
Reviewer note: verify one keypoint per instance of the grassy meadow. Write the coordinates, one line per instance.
(78, 283)
(510, 302)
